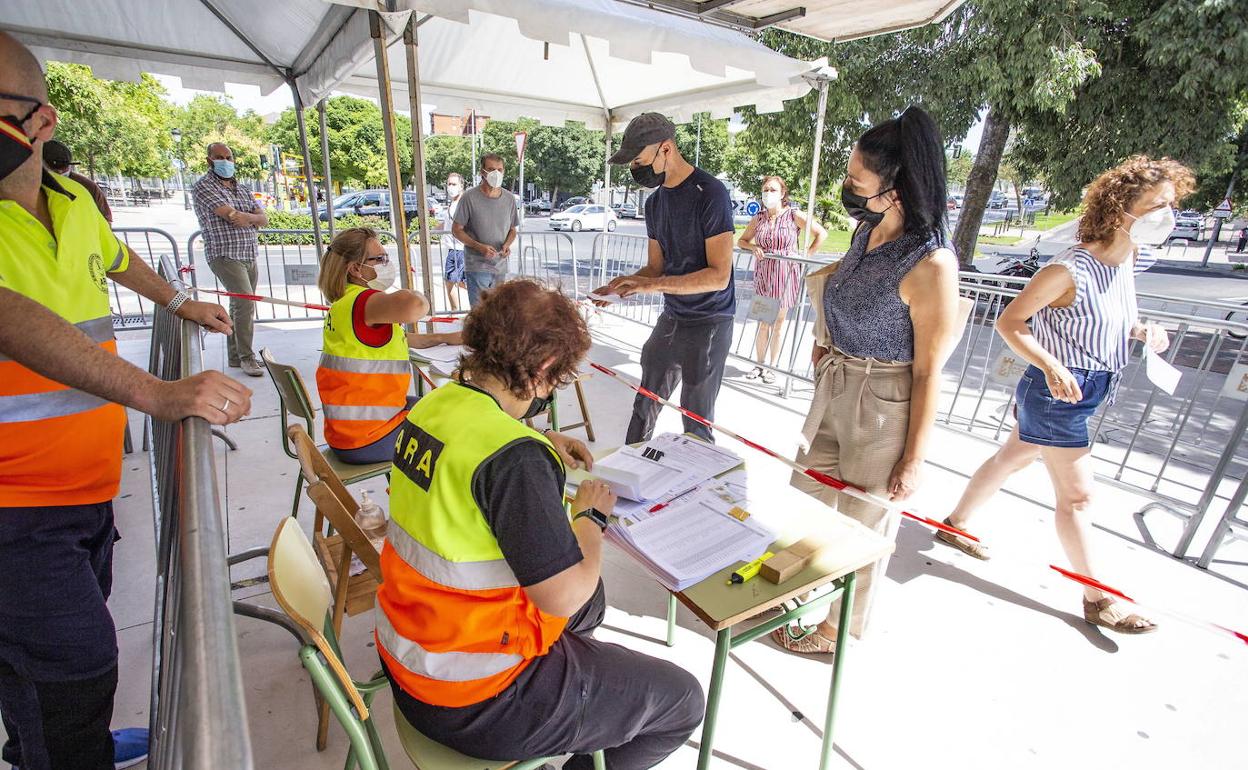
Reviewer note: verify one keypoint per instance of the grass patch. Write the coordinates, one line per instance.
(999, 240)
(1055, 219)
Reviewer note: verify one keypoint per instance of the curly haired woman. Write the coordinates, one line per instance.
(1083, 316)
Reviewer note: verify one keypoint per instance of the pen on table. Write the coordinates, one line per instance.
(661, 506)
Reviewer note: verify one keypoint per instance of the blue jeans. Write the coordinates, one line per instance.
(479, 282)
(1045, 421)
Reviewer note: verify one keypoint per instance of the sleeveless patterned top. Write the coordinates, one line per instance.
(861, 302)
(1094, 331)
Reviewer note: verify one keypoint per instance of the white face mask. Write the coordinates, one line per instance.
(385, 276)
(771, 198)
(1154, 227)
(453, 190)
(494, 178)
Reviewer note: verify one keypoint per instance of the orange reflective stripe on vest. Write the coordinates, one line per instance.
(363, 388)
(453, 624)
(51, 452)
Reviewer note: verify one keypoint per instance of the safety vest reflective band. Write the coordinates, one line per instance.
(453, 625)
(363, 387)
(58, 445)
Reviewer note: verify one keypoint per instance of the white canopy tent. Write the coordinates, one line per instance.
(558, 60)
(659, 57)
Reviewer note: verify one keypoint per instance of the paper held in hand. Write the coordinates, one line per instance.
(605, 297)
(1160, 372)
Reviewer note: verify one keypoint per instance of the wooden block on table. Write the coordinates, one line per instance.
(791, 560)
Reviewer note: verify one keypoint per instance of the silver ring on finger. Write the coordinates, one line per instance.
(226, 406)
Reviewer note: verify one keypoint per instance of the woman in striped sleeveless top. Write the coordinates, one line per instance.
(773, 233)
(1083, 318)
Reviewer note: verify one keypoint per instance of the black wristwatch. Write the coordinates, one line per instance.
(598, 517)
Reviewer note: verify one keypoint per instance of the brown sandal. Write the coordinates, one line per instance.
(1131, 624)
(806, 641)
(969, 547)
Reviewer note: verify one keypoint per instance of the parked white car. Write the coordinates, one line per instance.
(585, 217)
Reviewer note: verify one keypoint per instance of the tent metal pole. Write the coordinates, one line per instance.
(398, 217)
(814, 164)
(410, 47)
(326, 178)
(310, 183)
(609, 135)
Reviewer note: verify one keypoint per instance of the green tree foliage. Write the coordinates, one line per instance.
(446, 154)
(568, 158)
(1012, 57)
(357, 145)
(211, 118)
(1174, 83)
(958, 169)
(711, 152)
(111, 127)
(749, 159)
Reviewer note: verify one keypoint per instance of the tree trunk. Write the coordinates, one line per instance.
(554, 199)
(979, 185)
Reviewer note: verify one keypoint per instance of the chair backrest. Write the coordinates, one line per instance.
(332, 499)
(292, 394)
(302, 591)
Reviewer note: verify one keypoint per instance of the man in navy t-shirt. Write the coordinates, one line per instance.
(689, 223)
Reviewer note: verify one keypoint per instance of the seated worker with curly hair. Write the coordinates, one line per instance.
(490, 592)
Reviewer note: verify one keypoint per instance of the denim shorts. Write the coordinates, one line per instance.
(454, 267)
(1046, 421)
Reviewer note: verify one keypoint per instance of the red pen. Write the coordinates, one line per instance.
(661, 506)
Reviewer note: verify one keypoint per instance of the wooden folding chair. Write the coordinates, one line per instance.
(553, 413)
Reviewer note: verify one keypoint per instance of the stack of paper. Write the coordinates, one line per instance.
(693, 536)
(666, 464)
(443, 358)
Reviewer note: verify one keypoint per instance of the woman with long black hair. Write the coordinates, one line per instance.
(886, 320)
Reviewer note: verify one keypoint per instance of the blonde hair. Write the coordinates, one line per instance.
(1113, 192)
(347, 248)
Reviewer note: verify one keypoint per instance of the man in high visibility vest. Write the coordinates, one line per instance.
(490, 593)
(62, 387)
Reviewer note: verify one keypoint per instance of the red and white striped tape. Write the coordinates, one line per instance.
(856, 492)
(308, 305)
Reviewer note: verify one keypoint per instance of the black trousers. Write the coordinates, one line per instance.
(58, 646)
(690, 350)
(582, 696)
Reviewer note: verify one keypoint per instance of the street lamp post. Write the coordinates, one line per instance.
(176, 133)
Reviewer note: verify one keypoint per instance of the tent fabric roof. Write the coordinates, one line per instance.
(314, 42)
(491, 56)
(828, 20)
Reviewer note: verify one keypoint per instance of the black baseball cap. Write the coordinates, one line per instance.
(644, 130)
(57, 155)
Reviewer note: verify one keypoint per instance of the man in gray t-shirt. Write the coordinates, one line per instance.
(485, 222)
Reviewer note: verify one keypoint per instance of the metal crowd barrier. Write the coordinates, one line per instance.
(131, 311)
(284, 271)
(198, 714)
(1182, 450)
(615, 255)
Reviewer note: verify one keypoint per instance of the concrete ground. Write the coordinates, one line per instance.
(968, 665)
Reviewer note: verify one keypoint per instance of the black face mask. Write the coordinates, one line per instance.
(646, 175)
(856, 206)
(538, 405)
(15, 147)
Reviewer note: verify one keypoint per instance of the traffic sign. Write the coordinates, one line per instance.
(521, 140)
(752, 208)
(1223, 211)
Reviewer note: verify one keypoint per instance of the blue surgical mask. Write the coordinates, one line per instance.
(223, 168)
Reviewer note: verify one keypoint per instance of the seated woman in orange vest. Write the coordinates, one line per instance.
(490, 595)
(364, 375)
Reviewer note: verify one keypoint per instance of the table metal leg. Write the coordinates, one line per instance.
(671, 619)
(723, 643)
(838, 662)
